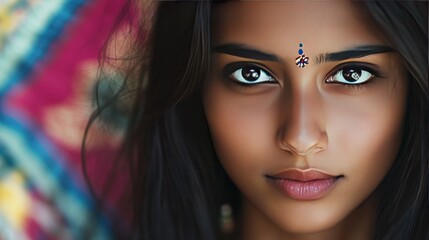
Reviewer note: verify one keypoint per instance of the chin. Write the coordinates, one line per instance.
(310, 226)
(311, 222)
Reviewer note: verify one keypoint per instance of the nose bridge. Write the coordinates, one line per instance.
(303, 129)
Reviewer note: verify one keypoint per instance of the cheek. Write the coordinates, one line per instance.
(364, 141)
(241, 127)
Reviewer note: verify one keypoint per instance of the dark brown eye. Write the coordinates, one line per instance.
(351, 74)
(250, 74)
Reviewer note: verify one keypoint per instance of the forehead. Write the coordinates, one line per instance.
(281, 25)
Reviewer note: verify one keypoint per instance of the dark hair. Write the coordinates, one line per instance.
(178, 185)
(403, 213)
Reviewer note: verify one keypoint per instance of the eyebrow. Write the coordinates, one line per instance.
(241, 50)
(356, 52)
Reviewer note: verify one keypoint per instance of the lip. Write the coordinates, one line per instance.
(309, 184)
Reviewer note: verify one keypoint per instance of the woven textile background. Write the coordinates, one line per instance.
(48, 61)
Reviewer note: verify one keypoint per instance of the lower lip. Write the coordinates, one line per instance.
(305, 190)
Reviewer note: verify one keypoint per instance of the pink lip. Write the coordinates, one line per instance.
(304, 184)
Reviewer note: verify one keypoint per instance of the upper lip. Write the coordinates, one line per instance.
(303, 175)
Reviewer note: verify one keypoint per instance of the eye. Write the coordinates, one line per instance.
(351, 75)
(250, 75)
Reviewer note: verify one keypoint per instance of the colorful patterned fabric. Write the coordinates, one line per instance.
(48, 60)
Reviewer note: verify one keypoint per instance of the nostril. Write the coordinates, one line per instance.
(303, 146)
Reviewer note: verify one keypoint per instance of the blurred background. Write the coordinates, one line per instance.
(48, 70)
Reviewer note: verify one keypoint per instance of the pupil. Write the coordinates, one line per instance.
(351, 75)
(250, 73)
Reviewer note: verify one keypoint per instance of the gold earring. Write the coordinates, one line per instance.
(226, 219)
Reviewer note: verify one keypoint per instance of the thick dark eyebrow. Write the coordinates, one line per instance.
(356, 52)
(241, 50)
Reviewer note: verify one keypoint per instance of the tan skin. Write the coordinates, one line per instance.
(299, 119)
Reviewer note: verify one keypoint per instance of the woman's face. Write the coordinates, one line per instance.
(305, 146)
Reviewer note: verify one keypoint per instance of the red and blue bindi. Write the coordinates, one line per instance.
(301, 60)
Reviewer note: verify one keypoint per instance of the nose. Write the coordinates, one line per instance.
(302, 131)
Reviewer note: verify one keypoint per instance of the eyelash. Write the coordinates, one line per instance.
(371, 68)
(232, 67)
